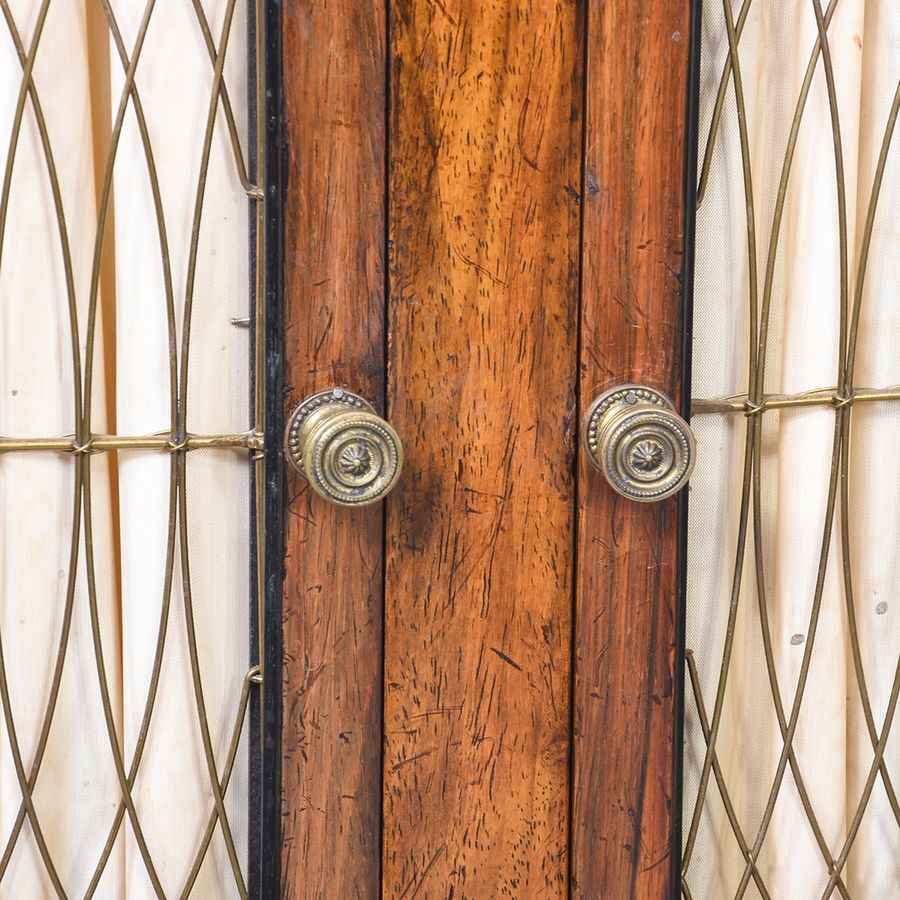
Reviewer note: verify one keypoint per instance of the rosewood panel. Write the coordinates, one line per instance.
(624, 745)
(334, 98)
(485, 162)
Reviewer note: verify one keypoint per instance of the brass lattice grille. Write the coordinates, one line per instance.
(751, 837)
(83, 444)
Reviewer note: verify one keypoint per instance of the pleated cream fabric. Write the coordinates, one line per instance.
(77, 791)
(875, 524)
(135, 554)
(810, 359)
(721, 340)
(832, 747)
(175, 78)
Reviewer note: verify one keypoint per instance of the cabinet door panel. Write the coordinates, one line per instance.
(625, 698)
(335, 78)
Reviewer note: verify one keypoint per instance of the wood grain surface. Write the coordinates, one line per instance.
(485, 133)
(490, 262)
(334, 89)
(625, 639)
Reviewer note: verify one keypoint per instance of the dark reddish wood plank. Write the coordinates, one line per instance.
(334, 91)
(484, 225)
(624, 715)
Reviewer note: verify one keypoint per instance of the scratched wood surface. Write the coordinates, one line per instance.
(624, 702)
(485, 136)
(334, 89)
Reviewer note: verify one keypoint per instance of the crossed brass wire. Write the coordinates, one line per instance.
(823, 397)
(753, 404)
(83, 444)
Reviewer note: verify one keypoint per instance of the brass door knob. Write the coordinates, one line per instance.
(346, 451)
(633, 435)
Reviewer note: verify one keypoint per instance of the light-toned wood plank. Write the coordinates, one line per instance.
(484, 225)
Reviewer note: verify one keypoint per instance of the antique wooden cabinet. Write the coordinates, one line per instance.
(448, 449)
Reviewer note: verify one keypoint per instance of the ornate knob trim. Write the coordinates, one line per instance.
(645, 450)
(346, 451)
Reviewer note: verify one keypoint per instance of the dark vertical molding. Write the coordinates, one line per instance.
(270, 849)
(691, 147)
(581, 403)
(386, 325)
(254, 711)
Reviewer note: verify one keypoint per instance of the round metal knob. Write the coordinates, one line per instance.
(642, 446)
(346, 451)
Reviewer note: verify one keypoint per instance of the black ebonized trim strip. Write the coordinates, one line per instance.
(692, 124)
(254, 799)
(269, 886)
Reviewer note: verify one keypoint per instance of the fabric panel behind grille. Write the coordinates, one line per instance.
(812, 819)
(131, 533)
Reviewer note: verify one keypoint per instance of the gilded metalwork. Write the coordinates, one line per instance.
(742, 403)
(105, 443)
(177, 441)
(643, 447)
(347, 452)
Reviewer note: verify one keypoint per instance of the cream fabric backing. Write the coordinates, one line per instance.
(77, 789)
(832, 746)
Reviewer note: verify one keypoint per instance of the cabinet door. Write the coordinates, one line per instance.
(484, 230)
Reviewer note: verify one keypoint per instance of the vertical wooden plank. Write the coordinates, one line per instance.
(625, 642)
(334, 98)
(484, 224)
